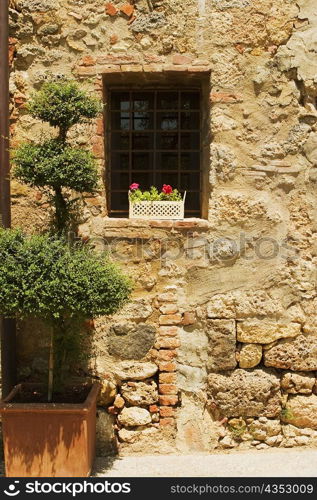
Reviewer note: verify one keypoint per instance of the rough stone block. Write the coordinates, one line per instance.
(222, 344)
(131, 341)
(105, 436)
(298, 354)
(107, 393)
(246, 393)
(294, 383)
(191, 378)
(301, 411)
(140, 393)
(132, 435)
(134, 416)
(265, 332)
(194, 347)
(250, 355)
(264, 428)
(133, 370)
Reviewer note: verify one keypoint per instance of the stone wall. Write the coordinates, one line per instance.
(218, 348)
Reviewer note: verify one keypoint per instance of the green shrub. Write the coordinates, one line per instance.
(54, 166)
(45, 278)
(63, 104)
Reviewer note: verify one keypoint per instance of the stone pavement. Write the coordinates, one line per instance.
(273, 463)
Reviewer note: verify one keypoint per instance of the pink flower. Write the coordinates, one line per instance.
(167, 189)
(134, 186)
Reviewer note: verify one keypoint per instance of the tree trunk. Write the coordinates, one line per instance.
(60, 210)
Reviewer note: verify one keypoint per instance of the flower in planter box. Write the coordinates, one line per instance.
(167, 194)
(167, 189)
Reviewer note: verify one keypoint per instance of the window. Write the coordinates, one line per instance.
(154, 138)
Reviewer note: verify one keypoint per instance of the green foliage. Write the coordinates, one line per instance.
(153, 195)
(287, 414)
(46, 278)
(63, 104)
(53, 164)
(238, 429)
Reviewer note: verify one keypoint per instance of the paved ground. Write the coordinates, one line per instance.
(275, 463)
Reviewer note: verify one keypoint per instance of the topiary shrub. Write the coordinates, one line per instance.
(45, 278)
(54, 165)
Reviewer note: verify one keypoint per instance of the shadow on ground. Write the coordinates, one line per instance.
(103, 465)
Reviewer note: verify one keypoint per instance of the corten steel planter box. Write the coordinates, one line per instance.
(49, 439)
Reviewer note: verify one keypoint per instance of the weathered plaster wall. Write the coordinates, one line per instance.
(219, 345)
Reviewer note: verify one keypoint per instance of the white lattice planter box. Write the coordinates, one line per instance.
(157, 209)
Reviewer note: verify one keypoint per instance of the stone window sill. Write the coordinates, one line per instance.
(190, 223)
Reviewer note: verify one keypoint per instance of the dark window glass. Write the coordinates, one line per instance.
(121, 101)
(189, 181)
(120, 121)
(189, 161)
(145, 179)
(190, 140)
(167, 161)
(143, 101)
(119, 202)
(161, 179)
(120, 161)
(190, 100)
(142, 141)
(142, 161)
(119, 141)
(167, 100)
(189, 121)
(154, 139)
(167, 141)
(167, 121)
(119, 179)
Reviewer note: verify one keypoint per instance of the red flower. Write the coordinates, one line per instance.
(167, 189)
(134, 186)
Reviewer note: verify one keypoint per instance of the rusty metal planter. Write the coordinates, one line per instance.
(49, 439)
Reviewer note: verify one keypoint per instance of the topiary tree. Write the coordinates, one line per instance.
(54, 165)
(45, 278)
